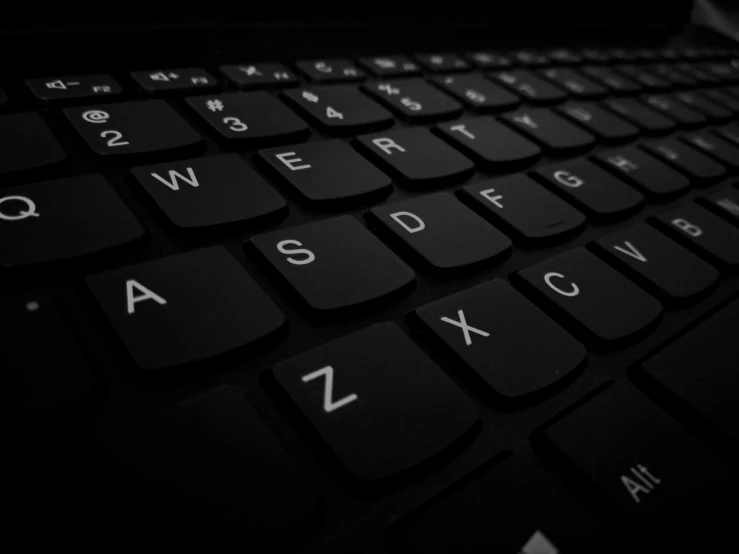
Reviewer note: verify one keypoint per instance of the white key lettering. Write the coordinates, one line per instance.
(329, 404)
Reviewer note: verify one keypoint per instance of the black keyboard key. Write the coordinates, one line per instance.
(62, 219)
(378, 402)
(213, 190)
(714, 147)
(161, 81)
(647, 80)
(256, 117)
(564, 56)
(27, 144)
(649, 466)
(676, 78)
(592, 189)
(323, 71)
(37, 381)
(529, 86)
(334, 264)
(723, 99)
(725, 203)
(704, 233)
(519, 204)
(260, 76)
(390, 66)
(74, 87)
(185, 308)
(604, 125)
(641, 116)
(683, 115)
(489, 60)
(529, 58)
(416, 156)
(550, 130)
(699, 369)
(651, 176)
(477, 93)
(704, 105)
(441, 231)
(616, 82)
(695, 165)
(469, 324)
(729, 133)
(442, 63)
(489, 143)
(660, 264)
(604, 305)
(696, 73)
(541, 516)
(216, 458)
(133, 128)
(340, 108)
(327, 172)
(414, 99)
(595, 55)
(572, 81)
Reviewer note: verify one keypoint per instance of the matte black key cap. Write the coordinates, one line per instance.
(723, 99)
(604, 125)
(592, 189)
(442, 63)
(704, 233)
(657, 262)
(528, 209)
(378, 402)
(441, 231)
(699, 369)
(695, 165)
(676, 78)
(62, 219)
(529, 58)
(489, 143)
(27, 144)
(729, 133)
(564, 56)
(323, 71)
(575, 83)
(213, 190)
(469, 324)
(489, 60)
(414, 99)
(170, 80)
(683, 115)
(641, 116)
(38, 381)
(700, 103)
(644, 78)
(223, 466)
(133, 128)
(529, 86)
(327, 172)
(725, 203)
(541, 516)
(255, 117)
(340, 108)
(185, 308)
(550, 130)
(334, 264)
(76, 86)
(604, 305)
(649, 466)
(416, 156)
(647, 173)
(714, 147)
(260, 76)
(477, 93)
(390, 66)
(616, 82)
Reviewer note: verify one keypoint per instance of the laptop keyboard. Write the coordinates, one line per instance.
(444, 302)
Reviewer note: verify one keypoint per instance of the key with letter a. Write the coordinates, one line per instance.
(378, 402)
(185, 308)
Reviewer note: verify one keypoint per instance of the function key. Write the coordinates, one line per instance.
(531, 87)
(256, 117)
(331, 70)
(78, 86)
(574, 82)
(37, 381)
(564, 56)
(133, 128)
(604, 125)
(550, 130)
(378, 402)
(528, 58)
(414, 99)
(27, 144)
(489, 60)
(340, 108)
(167, 80)
(261, 75)
(185, 308)
(648, 174)
(442, 63)
(62, 219)
(477, 93)
(390, 66)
